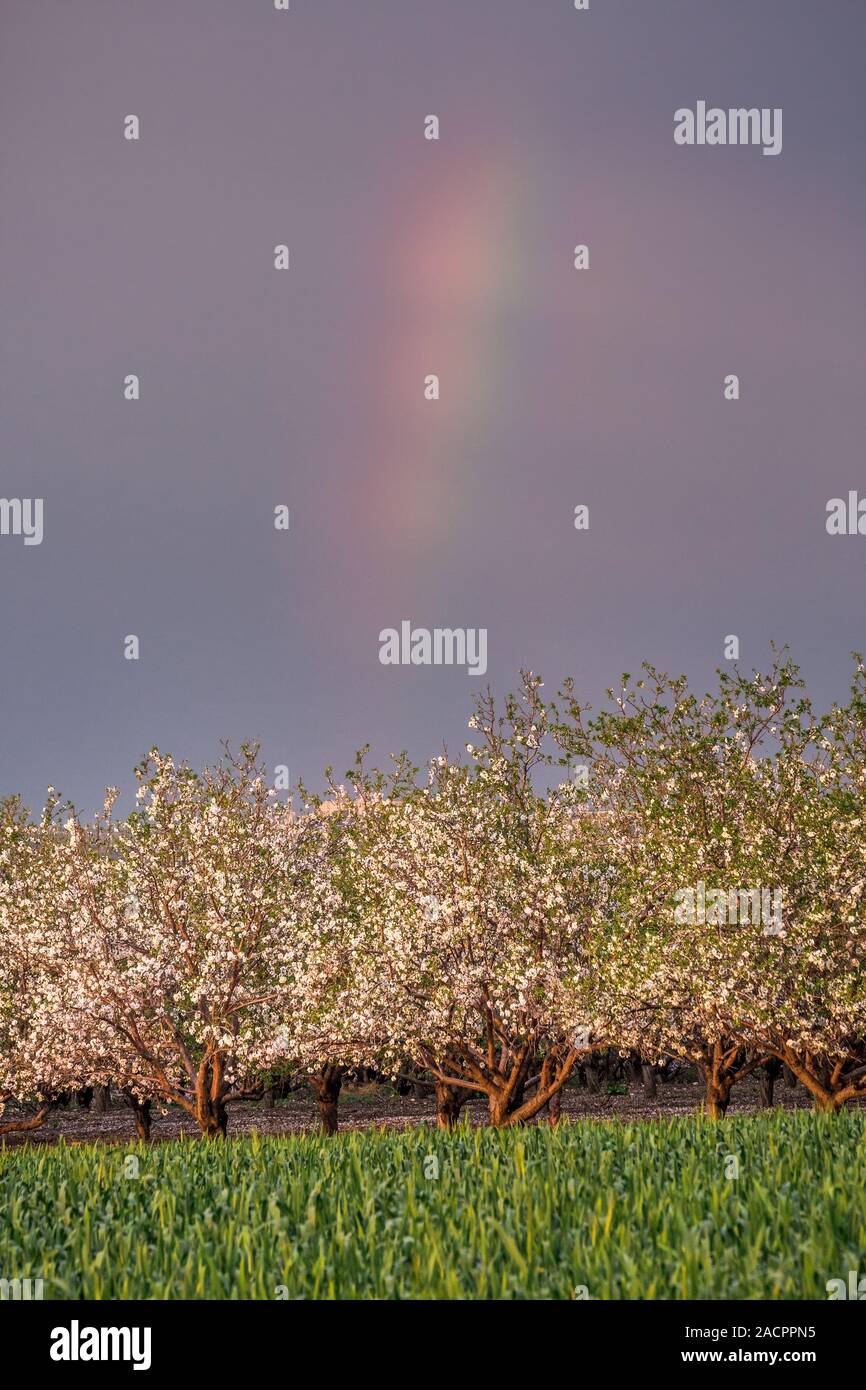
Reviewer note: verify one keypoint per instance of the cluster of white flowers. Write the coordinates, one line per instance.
(484, 926)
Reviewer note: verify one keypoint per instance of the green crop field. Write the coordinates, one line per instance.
(764, 1207)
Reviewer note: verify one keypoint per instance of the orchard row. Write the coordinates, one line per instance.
(680, 876)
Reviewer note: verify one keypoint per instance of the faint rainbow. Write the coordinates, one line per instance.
(454, 268)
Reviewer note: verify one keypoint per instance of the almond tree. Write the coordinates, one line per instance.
(173, 919)
(39, 1054)
(694, 806)
(814, 998)
(334, 931)
(481, 894)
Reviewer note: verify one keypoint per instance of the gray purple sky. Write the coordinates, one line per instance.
(408, 257)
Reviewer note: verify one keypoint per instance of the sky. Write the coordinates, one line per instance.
(304, 387)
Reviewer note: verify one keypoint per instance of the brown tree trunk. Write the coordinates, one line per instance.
(790, 1078)
(326, 1085)
(717, 1099)
(718, 1067)
(449, 1103)
(592, 1071)
(497, 1110)
(825, 1102)
(212, 1117)
(23, 1126)
(554, 1108)
(141, 1115)
(818, 1079)
(517, 1097)
(102, 1099)
(767, 1078)
(648, 1077)
(555, 1071)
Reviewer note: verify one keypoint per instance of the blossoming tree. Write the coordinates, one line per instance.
(480, 897)
(695, 794)
(173, 919)
(39, 1049)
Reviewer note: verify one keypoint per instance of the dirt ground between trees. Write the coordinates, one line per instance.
(371, 1106)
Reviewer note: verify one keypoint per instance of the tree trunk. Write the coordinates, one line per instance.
(497, 1110)
(84, 1097)
(825, 1103)
(326, 1085)
(767, 1078)
(592, 1071)
(717, 1099)
(554, 1108)
(329, 1114)
(102, 1099)
(790, 1078)
(821, 1082)
(141, 1115)
(554, 1074)
(449, 1103)
(22, 1126)
(212, 1117)
(648, 1077)
(517, 1097)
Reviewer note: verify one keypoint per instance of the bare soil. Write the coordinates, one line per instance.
(372, 1106)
